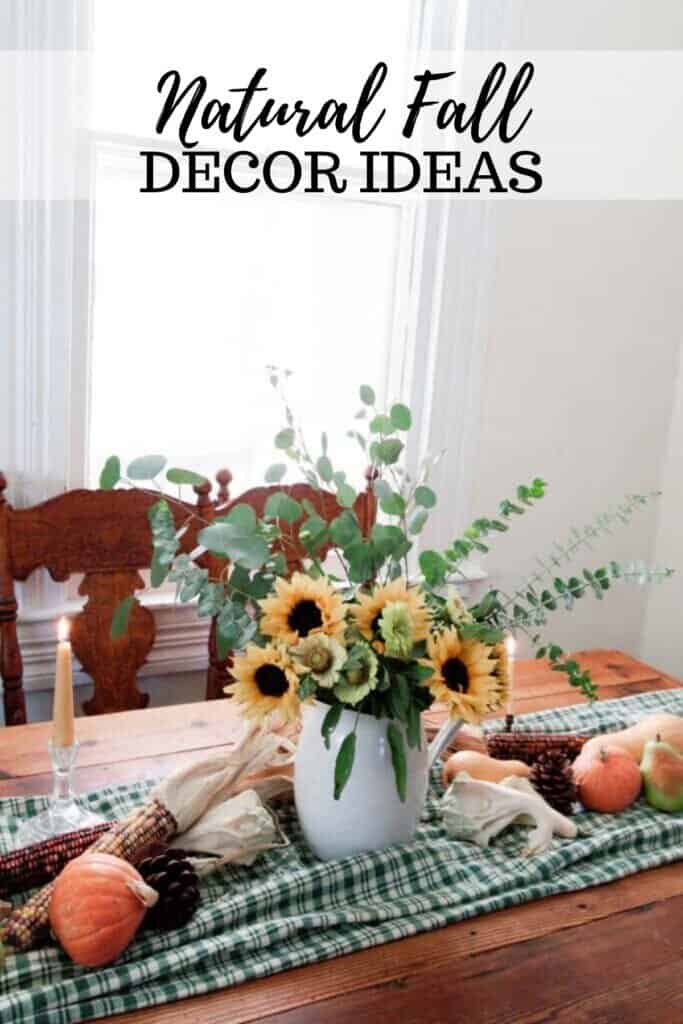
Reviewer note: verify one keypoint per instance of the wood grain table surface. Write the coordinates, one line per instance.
(611, 953)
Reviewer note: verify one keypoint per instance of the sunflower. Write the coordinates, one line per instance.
(266, 681)
(463, 676)
(368, 612)
(501, 674)
(322, 656)
(301, 606)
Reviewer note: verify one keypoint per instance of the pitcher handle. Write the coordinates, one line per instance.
(443, 738)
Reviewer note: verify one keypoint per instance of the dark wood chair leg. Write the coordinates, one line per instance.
(11, 668)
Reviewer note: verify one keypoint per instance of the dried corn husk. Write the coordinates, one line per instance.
(234, 832)
(173, 808)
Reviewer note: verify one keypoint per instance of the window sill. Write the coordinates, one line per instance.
(180, 646)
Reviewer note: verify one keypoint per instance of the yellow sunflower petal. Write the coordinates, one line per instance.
(462, 677)
(370, 607)
(302, 606)
(266, 682)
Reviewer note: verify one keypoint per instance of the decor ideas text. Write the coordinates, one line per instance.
(497, 115)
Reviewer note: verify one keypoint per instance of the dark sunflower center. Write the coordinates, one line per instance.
(455, 675)
(271, 680)
(305, 617)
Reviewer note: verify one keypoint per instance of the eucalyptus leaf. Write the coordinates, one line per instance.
(275, 473)
(425, 497)
(111, 473)
(346, 495)
(158, 571)
(389, 450)
(185, 476)
(324, 468)
(433, 567)
(307, 687)
(381, 425)
(313, 533)
(393, 504)
(281, 506)
(418, 520)
(235, 537)
(381, 488)
(241, 517)
(367, 395)
(389, 541)
(344, 764)
(285, 438)
(147, 467)
(121, 617)
(400, 416)
(360, 557)
(211, 600)
(345, 529)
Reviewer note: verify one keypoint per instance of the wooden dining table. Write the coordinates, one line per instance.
(611, 953)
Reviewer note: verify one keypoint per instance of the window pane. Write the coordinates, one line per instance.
(194, 296)
(310, 49)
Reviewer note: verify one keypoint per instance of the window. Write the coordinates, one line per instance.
(195, 295)
(143, 322)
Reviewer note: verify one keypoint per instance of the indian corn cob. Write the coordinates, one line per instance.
(526, 746)
(128, 839)
(35, 865)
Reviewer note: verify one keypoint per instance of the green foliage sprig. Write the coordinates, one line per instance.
(253, 549)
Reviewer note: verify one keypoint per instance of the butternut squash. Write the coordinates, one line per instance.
(482, 767)
(668, 727)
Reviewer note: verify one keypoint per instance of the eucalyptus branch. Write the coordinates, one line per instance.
(583, 537)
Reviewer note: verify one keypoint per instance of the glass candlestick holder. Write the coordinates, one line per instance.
(64, 812)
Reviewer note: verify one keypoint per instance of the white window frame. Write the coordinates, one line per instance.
(442, 277)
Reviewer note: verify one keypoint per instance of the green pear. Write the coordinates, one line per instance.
(662, 768)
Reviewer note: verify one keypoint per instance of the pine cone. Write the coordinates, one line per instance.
(551, 776)
(174, 878)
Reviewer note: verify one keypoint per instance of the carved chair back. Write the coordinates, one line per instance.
(104, 535)
(327, 507)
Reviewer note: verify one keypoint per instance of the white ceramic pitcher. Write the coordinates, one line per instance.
(369, 814)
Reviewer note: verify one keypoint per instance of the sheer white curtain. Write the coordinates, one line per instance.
(45, 241)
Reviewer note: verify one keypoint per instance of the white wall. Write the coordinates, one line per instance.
(578, 387)
(662, 640)
(582, 330)
(580, 25)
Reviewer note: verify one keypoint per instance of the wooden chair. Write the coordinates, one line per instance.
(327, 507)
(106, 536)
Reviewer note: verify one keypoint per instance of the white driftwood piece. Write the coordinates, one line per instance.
(477, 811)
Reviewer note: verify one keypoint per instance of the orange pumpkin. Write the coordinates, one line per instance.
(608, 779)
(97, 906)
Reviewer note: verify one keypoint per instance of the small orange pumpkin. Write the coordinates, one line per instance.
(608, 779)
(97, 906)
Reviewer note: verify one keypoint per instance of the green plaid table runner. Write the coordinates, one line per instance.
(289, 909)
